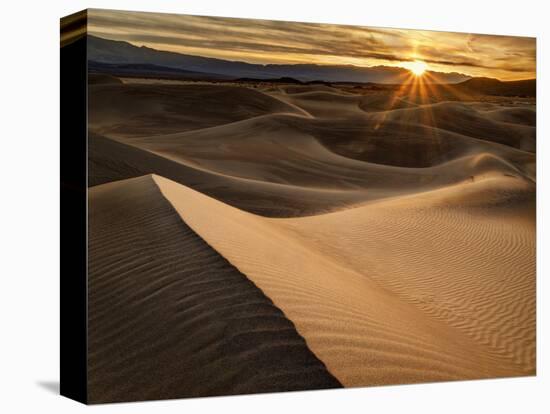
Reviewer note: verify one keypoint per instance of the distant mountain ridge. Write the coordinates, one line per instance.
(115, 52)
(149, 69)
(491, 86)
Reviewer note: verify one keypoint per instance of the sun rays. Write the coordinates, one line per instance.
(417, 67)
(419, 89)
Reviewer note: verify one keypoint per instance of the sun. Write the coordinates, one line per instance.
(417, 67)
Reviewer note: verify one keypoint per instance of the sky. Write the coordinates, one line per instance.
(268, 41)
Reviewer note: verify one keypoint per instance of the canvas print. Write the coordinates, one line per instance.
(280, 206)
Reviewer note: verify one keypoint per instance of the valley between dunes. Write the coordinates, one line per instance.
(357, 237)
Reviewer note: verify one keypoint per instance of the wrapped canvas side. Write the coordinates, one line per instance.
(73, 202)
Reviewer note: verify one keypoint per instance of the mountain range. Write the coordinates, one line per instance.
(105, 53)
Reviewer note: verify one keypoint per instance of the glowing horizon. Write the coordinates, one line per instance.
(279, 42)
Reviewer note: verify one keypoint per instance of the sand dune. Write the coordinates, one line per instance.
(334, 103)
(472, 123)
(333, 154)
(514, 115)
(464, 255)
(292, 143)
(285, 164)
(129, 110)
(170, 318)
(361, 328)
(281, 237)
(295, 188)
(111, 161)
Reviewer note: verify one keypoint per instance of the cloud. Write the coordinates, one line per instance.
(265, 41)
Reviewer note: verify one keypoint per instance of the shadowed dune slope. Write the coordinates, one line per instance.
(334, 103)
(362, 330)
(337, 154)
(169, 317)
(282, 172)
(280, 149)
(522, 116)
(110, 160)
(130, 110)
(275, 159)
(466, 120)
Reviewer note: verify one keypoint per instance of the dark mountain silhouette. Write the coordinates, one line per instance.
(119, 52)
(490, 86)
(149, 70)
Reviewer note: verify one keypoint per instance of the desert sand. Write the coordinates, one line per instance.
(170, 317)
(341, 277)
(255, 237)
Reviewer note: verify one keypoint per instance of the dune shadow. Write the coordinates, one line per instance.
(51, 386)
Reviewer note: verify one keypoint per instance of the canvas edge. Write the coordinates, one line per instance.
(73, 207)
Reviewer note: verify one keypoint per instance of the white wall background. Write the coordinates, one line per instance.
(29, 215)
